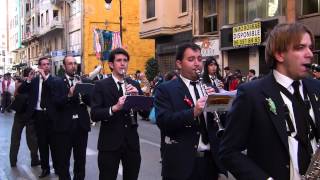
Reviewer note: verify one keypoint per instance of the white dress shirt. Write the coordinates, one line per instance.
(39, 92)
(123, 89)
(286, 82)
(201, 146)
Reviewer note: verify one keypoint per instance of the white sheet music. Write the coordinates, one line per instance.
(220, 101)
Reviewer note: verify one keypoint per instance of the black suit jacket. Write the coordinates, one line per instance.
(72, 113)
(51, 98)
(115, 129)
(253, 126)
(175, 119)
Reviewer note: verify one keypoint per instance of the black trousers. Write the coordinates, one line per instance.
(18, 124)
(76, 140)
(204, 169)
(5, 100)
(108, 162)
(45, 138)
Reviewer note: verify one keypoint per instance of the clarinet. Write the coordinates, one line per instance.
(78, 78)
(132, 118)
(215, 113)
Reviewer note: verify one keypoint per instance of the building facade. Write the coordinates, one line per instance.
(96, 16)
(43, 32)
(6, 59)
(308, 13)
(170, 24)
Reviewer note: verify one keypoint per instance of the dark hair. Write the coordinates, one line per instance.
(227, 68)
(65, 57)
(206, 77)
(41, 59)
(116, 51)
(252, 71)
(26, 71)
(181, 49)
(281, 38)
(169, 75)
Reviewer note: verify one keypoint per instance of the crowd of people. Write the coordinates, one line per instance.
(274, 118)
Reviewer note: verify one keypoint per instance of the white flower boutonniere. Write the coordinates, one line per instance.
(316, 97)
(272, 106)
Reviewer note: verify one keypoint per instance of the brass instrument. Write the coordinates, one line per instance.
(215, 113)
(313, 171)
(133, 119)
(313, 67)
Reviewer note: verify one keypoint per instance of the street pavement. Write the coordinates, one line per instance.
(149, 142)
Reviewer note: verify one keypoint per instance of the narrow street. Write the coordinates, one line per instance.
(149, 140)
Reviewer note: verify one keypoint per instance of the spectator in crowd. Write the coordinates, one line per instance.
(251, 75)
(316, 74)
(227, 78)
(236, 80)
(6, 90)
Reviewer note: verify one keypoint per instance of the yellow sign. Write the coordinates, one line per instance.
(247, 35)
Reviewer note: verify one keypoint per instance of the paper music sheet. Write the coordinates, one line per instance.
(220, 101)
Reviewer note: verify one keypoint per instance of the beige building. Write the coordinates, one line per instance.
(43, 30)
(170, 24)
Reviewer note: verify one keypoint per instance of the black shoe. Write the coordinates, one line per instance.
(35, 163)
(44, 173)
(13, 165)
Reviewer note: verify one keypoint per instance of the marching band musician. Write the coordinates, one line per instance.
(190, 142)
(42, 109)
(118, 138)
(276, 118)
(211, 74)
(71, 129)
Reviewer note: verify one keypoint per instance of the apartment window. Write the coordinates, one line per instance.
(183, 6)
(150, 9)
(32, 23)
(55, 15)
(75, 7)
(210, 23)
(310, 7)
(74, 40)
(242, 11)
(47, 17)
(27, 7)
(38, 20)
(42, 20)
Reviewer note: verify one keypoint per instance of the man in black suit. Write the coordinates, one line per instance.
(190, 142)
(118, 138)
(74, 123)
(42, 108)
(276, 119)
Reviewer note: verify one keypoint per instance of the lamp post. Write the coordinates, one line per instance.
(108, 7)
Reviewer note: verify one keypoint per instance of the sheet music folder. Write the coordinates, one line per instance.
(219, 102)
(143, 103)
(84, 88)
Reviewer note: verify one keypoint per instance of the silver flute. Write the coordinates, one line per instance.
(132, 118)
(215, 113)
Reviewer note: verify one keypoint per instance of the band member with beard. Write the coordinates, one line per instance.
(118, 138)
(73, 126)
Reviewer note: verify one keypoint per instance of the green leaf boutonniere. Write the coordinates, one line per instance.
(272, 106)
